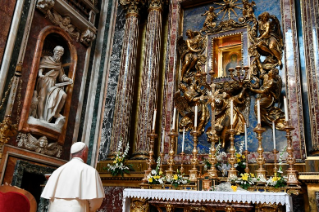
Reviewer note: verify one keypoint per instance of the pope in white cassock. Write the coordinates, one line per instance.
(75, 186)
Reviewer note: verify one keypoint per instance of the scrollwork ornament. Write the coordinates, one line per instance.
(132, 6)
(155, 5)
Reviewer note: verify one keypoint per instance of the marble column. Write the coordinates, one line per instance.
(125, 87)
(150, 77)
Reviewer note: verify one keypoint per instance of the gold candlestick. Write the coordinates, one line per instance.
(182, 162)
(194, 160)
(261, 172)
(212, 137)
(232, 159)
(161, 163)
(275, 162)
(291, 172)
(246, 152)
(150, 160)
(170, 161)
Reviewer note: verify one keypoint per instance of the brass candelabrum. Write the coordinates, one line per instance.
(150, 160)
(194, 160)
(182, 162)
(275, 151)
(232, 159)
(261, 172)
(246, 152)
(162, 158)
(212, 172)
(291, 172)
(170, 161)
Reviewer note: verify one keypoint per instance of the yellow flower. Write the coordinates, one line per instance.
(114, 161)
(274, 179)
(238, 160)
(234, 188)
(157, 177)
(245, 177)
(238, 155)
(150, 180)
(175, 177)
(160, 173)
(243, 156)
(252, 175)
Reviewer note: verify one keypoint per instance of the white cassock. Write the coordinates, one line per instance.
(74, 187)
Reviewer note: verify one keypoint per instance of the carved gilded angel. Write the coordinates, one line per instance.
(7, 130)
(185, 99)
(269, 94)
(269, 43)
(248, 11)
(191, 51)
(210, 17)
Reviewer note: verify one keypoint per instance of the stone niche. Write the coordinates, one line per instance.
(47, 102)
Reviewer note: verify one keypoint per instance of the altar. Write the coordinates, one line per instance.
(141, 199)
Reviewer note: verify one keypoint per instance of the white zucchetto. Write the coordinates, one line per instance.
(77, 147)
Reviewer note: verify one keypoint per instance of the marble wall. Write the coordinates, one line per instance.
(112, 84)
(113, 199)
(6, 13)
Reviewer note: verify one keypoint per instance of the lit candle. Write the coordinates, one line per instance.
(258, 111)
(183, 140)
(231, 113)
(195, 121)
(174, 116)
(245, 136)
(273, 134)
(154, 120)
(163, 140)
(286, 109)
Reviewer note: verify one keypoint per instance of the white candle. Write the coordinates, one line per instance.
(246, 137)
(273, 134)
(286, 109)
(195, 121)
(154, 120)
(174, 116)
(163, 140)
(183, 140)
(231, 113)
(258, 111)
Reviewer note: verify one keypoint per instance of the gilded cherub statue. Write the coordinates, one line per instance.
(210, 17)
(248, 11)
(40, 145)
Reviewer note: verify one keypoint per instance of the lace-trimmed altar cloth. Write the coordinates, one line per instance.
(239, 196)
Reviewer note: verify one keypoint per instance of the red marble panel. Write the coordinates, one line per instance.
(113, 199)
(6, 14)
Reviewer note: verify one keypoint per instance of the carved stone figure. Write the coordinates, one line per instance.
(269, 94)
(87, 37)
(64, 23)
(40, 145)
(210, 17)
(51, 96)
(269, 43)
(191, 50)
(45, 5)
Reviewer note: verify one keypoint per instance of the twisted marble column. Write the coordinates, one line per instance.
(148, 91)
(125, 87)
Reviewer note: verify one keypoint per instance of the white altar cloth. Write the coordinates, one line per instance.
(239, 196)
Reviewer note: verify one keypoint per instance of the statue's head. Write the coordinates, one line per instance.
(58, 51)
(66, 21)
(264, 16)
(43, 142)
(189, 33)
(211, 9)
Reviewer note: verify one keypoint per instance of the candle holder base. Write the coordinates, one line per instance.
(232, 173)
(169, 175)
(292, 179)
(193, 175)
(261, 173)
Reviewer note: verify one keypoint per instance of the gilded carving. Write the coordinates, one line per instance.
(139, 205)
(132, 6)
(49, 98)
(45, 5)
(210, 17)
(155, 5)
(248, 11)
(40, 145)
(7, 130)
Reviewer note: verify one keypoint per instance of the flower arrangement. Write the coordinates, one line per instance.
(119, 166)
(241, 162)
(278, 181)
(156, 176)
(178, 179)
(246, 180)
